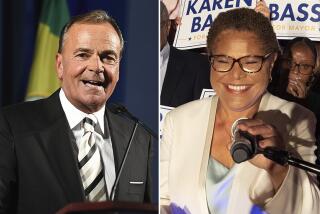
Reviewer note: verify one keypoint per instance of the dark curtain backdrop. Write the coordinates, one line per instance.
(138, 20)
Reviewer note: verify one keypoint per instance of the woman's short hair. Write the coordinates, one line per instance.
(248, 20)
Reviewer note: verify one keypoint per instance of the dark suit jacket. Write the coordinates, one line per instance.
(187, 74)
(38, 164)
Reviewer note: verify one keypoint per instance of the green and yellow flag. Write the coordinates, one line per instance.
(43, 80)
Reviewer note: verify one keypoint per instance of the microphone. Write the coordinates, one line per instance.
(244, 145)
(117, 108)
(121, 110)
(283, 157)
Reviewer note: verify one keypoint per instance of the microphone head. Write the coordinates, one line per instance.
(241, 151)
(117, 108)
(243, 143)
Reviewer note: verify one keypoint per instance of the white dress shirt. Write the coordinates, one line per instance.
(103, 141)
(164, 58)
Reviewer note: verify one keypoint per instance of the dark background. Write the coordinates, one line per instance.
(137, 88)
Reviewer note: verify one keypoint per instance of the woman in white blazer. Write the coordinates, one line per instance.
(198, 174)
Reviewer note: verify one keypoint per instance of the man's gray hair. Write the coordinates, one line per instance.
(93, 17)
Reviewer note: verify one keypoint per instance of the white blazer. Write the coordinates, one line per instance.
(185, 150)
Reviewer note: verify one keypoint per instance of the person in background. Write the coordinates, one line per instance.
(173, 8)
(301, 64)
(70, 147)
(183, 74)
(299, 79)
(197, 137)
(298, 76)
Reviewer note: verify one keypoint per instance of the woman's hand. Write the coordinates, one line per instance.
(270, 138)
(297, 88)
(261, 7)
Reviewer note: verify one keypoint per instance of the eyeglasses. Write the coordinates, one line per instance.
(304, 69)
(249, 64)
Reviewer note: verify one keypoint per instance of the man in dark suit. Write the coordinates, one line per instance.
(183, 74)
(48, 155)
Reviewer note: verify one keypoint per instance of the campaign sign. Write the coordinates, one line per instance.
(293, 18)
(289, 18)
(207, 93)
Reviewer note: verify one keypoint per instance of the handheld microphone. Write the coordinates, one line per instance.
(244, 145)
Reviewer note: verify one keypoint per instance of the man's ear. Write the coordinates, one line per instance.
(59, 66)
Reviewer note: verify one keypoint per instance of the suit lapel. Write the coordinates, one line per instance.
(173, 76)
(57, 143)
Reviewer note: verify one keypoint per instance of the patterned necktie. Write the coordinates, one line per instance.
(90, 164)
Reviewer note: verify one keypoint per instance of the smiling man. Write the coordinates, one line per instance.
(70, 147)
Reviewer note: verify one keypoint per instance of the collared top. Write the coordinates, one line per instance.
(164, 58)
(103, 140)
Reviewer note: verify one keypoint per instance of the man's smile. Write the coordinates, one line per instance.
(95, 83)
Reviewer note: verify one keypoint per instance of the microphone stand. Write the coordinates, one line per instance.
(121, 110)
(283, 157)
(113, 191)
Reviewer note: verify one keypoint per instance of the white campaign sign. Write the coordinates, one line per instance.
(294, 18)
(290, 18)
(207, 93)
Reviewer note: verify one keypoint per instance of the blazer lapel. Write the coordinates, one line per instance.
(173, 76)
(57, 143)
(206, 151)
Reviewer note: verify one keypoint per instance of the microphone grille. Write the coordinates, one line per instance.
(240, 152)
